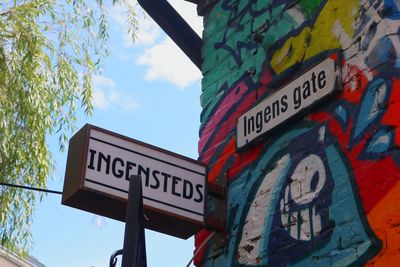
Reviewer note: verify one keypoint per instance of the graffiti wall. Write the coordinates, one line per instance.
(324, 188)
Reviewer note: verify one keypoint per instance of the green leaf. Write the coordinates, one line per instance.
(49, 52)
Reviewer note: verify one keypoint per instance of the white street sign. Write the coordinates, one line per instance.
(288, 101)
(173, 185)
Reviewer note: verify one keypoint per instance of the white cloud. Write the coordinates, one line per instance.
(161, 58)
(165, 61)
(188, 12)
(107, 95)
(147, 33)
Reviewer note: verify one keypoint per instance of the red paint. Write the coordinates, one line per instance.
(392, 115)
(228, 125)
(198, 240)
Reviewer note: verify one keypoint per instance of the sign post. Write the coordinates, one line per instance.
(134, 250)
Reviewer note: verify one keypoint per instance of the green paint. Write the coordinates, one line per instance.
(309, 7)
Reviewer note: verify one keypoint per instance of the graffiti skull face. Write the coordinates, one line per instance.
(302, 205)
(300, 213)
(302, 218)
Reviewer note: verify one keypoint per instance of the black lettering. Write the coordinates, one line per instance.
(175, 181)
(91, 162)
(107, 160)
(297, 97)
(157, 184)
(259, 122)
(187, 189)
(313, 82)
(245, 125)
(117, 173)
(267, 114)
(166, 176)
(284, 105)
(306, 89)
(321, 79)
(199, 189)
(146, 171)
(129, 166)
(250, 125)
(275, 109)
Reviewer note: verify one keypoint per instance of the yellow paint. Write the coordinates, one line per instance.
(292, 52)
(321, 37)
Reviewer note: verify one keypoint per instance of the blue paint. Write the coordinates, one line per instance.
(373, 107)
(239, 41)
(344, 230)
(283, 248)
(244, 187)
(348, 232)
(392, 8)
(380, 145)
(341, 115)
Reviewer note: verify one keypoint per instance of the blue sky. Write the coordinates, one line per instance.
(148, 91)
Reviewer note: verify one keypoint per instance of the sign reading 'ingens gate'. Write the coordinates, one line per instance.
(100, 164)
(288, 101)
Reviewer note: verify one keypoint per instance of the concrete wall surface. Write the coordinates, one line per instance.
(322, 189)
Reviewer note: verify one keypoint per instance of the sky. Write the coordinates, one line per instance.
(149, 91)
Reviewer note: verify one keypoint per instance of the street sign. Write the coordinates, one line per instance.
(290, 100)
(100, 163)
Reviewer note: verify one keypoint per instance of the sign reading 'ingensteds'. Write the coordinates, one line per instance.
(314, 85)
(173, 185)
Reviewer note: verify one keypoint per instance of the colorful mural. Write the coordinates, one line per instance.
(324, 189)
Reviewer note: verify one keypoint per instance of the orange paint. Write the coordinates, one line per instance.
(384, 220)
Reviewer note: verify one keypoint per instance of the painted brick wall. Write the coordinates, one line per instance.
(325, 189)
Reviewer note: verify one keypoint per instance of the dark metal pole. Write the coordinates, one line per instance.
(134, 251)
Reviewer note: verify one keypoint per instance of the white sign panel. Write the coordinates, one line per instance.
(300, 94)
(173, 184)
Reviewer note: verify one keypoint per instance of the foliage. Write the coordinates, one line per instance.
(49, 52)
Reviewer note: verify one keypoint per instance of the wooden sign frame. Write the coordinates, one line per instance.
(94, 196)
